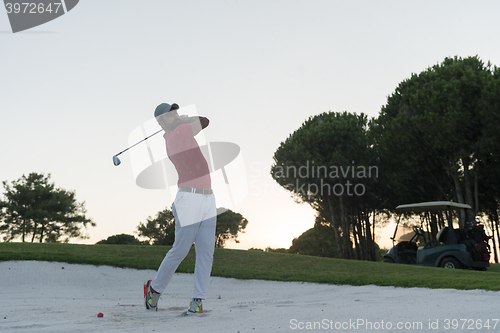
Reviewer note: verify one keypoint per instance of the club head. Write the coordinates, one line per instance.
(116, 160)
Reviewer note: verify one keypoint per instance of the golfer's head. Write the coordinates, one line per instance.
(166, 113)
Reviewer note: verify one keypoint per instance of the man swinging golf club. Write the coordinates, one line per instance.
(193, 208)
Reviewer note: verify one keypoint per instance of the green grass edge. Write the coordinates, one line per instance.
(243, 264)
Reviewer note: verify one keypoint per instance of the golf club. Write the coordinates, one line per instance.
(116, 160)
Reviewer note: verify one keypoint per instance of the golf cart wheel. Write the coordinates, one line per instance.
(389, 260)
(451, 263)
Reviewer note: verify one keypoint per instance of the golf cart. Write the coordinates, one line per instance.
(451, 248)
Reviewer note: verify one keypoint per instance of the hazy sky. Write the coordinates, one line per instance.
(74, 89)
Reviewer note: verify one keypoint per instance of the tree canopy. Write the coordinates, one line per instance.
(317, 241)
(229, 225)
(121, 239)
(34, 209)
(437, 134)
(161, 229)
(435, 139)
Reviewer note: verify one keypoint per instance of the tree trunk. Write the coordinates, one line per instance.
(350, 224)
(373, 235)
(495, 217)
(41, 233)
(362, 236)
(335, 227)
(434, 228)
(476, 188)
(357, 244)
(492, 223)
(24, 229)
(440, 220)
(460, 197)
(429, 230)
(345, 229)
(468, 190)
(370, 249)
(35, 225)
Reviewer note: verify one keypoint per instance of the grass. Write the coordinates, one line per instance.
(242, 264)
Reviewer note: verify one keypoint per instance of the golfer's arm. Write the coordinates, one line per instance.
(197, 123)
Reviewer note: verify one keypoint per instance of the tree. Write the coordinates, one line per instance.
(487, 179)
(33, 209)
(432, 132)
(329, 163)
(278, 250)
(229, 225)
(317, 241)
(122, 239)
(438, 138)
(160, 230)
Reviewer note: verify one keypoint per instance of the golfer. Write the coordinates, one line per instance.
(193, 208)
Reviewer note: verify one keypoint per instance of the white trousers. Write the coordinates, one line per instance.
(195, 220)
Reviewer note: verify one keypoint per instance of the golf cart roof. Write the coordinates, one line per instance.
(431, 205)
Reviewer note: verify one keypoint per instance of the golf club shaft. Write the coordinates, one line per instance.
(139, 142)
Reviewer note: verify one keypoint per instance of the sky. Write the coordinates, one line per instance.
(74, 90)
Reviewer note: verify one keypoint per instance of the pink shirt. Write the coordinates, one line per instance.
(185, 153)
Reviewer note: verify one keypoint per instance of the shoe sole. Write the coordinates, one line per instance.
(189, 313)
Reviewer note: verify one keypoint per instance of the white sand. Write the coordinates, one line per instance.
(59, 297)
